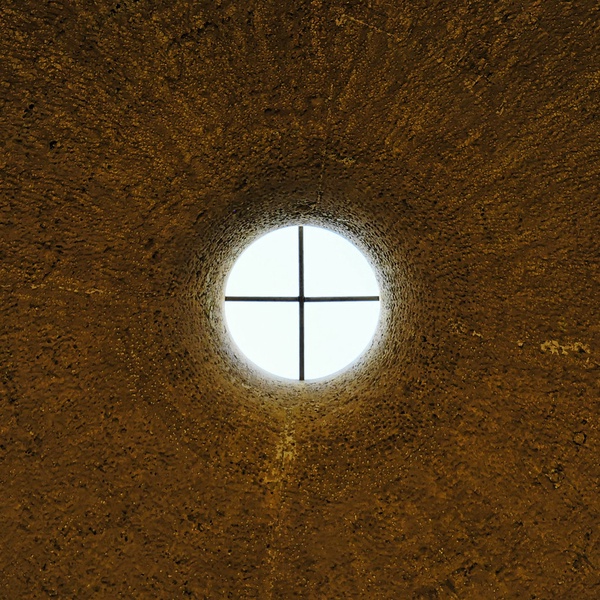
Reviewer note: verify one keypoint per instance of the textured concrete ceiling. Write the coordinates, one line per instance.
(144, 143)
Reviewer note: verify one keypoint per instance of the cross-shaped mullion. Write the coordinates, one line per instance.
(301, 299)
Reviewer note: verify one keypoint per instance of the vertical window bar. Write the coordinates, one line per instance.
(301, 297)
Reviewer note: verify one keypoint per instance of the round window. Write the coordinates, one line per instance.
(302, 303)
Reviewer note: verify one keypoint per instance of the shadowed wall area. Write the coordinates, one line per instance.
(144, 144)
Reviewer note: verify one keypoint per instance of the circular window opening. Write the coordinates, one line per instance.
(302, 303)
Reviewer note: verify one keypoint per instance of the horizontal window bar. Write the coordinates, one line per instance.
(297, 298)
(341, 298)
(262, 298)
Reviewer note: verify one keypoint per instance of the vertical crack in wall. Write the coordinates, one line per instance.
(276, 480)
(325, 143)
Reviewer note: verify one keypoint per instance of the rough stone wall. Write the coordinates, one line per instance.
(144, 143)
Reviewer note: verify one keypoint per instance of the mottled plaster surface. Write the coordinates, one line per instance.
(143, 144)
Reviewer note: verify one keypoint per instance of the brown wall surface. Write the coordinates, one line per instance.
(144, 143)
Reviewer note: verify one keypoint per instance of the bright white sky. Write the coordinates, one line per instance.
(336, 333)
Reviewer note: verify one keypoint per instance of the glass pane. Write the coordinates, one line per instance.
(335, 267)
(267, 334)
(337, 333)
(268, 267)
